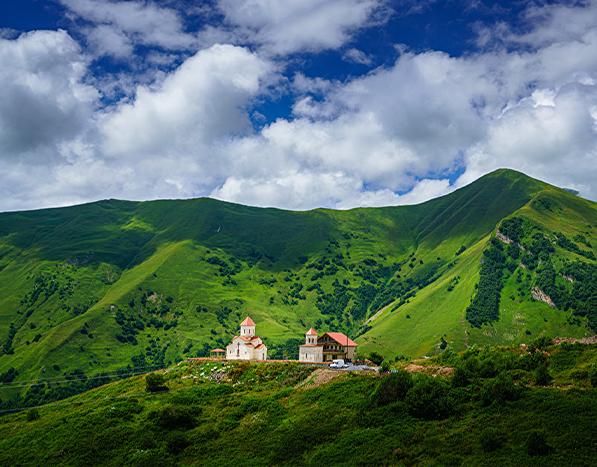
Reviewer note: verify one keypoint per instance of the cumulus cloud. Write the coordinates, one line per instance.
(113, 28)
(42, 99)
(392, 136)
(300, 191)
(383, 133)
(552, 139)
(287, 26)
(201, 102)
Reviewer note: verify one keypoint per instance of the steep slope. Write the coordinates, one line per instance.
(100, 286)
(438, 315)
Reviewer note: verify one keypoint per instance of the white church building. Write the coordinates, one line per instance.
(247, 346)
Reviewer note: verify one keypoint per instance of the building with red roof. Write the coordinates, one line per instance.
(246, 346)
(330, 346)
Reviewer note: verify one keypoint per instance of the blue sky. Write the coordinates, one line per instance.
(295, 104)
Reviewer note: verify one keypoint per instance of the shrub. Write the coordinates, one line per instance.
(448, 356)
(488, 368)
(536, 444)
(429, 398)
(499, 389)
(384, 367)
(393, 387)
(461, 377)
(172, 417)
(539, 344)
(32, 415)
(490, 439)
(376, 358)
(154, 382)
(177, 442)
(542, 376)
(593, 375)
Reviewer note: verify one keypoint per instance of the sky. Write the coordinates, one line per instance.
(295, 104)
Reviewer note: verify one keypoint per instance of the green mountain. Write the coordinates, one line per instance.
(100, 286)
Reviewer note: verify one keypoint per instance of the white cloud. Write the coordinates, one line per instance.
(201, 102)
(286, 26)
(42, 99)
(188, 133)
(557, 23)
(301, 191)
(118, 26)
(556, 143)
(357, 56)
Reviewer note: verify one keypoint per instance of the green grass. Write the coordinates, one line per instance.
(222, 413)
(97, 259)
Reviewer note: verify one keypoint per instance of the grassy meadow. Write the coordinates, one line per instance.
(500, 406)
(114, 286)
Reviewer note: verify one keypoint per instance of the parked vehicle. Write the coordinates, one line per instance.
(338, 364)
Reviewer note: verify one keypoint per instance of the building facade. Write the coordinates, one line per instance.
(311, 351)
(330, 346)
(247, 346)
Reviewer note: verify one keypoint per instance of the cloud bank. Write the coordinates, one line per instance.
(403, 133)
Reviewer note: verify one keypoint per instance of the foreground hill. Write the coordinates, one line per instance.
(502, 406)
(101, 286)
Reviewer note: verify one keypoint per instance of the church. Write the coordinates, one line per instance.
(247, 346)
(328, 347)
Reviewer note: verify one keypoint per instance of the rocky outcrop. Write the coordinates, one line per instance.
(572, 340)
(538, 294)
(500, 236)
(505, 239)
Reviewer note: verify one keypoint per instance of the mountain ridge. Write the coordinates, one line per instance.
(70, 273)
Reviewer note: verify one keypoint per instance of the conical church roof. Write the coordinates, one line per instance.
(248, 322)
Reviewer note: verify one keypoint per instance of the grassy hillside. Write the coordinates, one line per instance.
(97, 287)
(502, 406)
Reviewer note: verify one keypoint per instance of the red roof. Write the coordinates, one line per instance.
(218, 350)
(260, 346)
(248, 339)
(248, 322)
(311, 332)
(340, 339)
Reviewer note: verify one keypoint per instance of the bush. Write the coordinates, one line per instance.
(32, 415)
(461, 377)
(172, 417)
(376, 358)
(448, 356)
(542, 376)
(500, 390)
(539, 344)
(488, 368)
(593, 375)
(429, 398)
(384, 367)
(154, 382)
(490, 440)
(536, 444)
(393, 387)
(177, 442)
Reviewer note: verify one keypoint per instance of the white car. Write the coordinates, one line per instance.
(338, 364)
